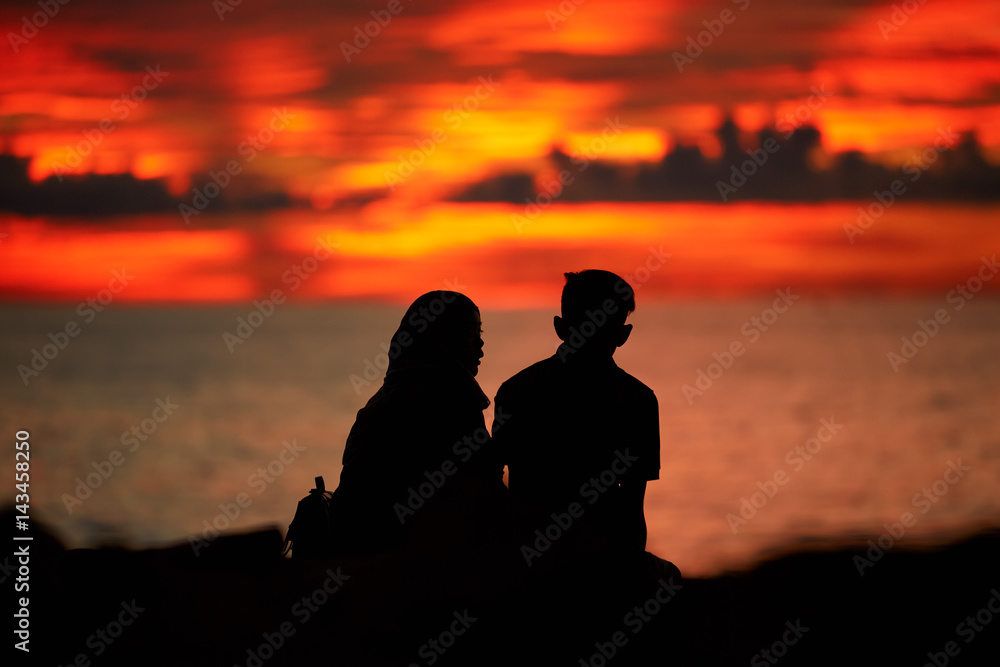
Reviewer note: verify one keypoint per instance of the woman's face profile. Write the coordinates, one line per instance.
(470, 346)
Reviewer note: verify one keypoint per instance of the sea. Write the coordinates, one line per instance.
(791, 424)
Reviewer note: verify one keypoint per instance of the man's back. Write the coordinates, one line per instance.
(571, 432)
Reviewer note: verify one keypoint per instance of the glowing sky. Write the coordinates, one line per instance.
(441, 94)
(223, 69)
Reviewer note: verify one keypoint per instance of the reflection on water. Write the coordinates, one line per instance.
(756, 444)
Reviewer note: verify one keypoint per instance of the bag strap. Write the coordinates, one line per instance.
(287, 546)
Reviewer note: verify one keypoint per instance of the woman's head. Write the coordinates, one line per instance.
(439, 326)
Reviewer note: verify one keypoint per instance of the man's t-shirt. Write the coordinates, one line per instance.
(571, 432)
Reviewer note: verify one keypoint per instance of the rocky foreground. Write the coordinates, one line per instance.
(240, 603)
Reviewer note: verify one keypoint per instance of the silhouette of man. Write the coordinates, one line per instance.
(579, 435)
(580, 438)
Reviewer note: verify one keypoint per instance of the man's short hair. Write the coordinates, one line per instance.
(590, 290)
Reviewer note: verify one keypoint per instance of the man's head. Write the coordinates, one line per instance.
(595, 304)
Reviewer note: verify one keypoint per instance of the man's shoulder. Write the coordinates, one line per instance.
(540, 371)
(634, 386)
(542, 376)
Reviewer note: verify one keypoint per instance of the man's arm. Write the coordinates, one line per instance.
(633, 494)
(633, 488)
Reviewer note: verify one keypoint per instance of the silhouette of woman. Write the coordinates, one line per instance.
(418, 472)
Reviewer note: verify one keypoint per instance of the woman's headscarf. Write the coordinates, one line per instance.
(430, 330)
(429, 401)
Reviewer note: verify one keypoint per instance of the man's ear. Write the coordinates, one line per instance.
(560, 326)
(623, 335)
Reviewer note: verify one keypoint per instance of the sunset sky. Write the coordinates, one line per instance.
(296, 99)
